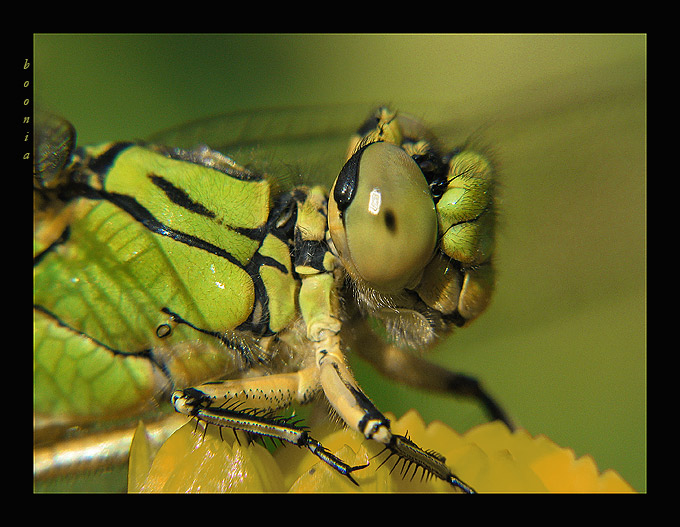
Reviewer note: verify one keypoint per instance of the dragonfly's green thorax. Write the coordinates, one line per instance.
(170, 246)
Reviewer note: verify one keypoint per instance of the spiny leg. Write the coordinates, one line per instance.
(360, 414)
(431, 462)
(220, 404)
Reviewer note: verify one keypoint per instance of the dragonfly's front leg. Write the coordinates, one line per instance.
(343, 392)
(248, 405)
(359, 413)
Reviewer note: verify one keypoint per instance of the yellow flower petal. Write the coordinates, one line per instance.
(141, 458)
(488, 457)
(190, 461)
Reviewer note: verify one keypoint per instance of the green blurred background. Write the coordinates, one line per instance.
(563, 345)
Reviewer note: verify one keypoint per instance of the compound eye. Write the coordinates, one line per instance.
(381, 217)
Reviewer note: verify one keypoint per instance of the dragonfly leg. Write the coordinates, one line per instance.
(359, 413)
(248, 405)
(413, 370)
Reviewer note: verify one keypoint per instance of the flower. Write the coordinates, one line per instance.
(489, 457)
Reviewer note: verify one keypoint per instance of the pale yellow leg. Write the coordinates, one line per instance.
(344, 394)
(218, 404)
(270, 392)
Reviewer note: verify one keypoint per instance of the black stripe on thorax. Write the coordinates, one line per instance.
(141, 214)
(130, 205)
(63, 238)
(179, 197)
(103, 162)
(281, 224)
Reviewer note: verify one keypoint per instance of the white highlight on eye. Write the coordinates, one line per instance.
(374, 200)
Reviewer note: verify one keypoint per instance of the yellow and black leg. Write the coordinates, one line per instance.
(411, 369)
(249, 405)
(359, 413)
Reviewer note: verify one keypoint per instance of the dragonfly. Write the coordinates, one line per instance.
(226, 283)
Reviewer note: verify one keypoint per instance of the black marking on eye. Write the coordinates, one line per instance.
(347, 182)
(390, 221)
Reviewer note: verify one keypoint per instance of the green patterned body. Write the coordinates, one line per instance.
(146, 253)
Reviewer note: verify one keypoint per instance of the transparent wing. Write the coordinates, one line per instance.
(305, 143)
